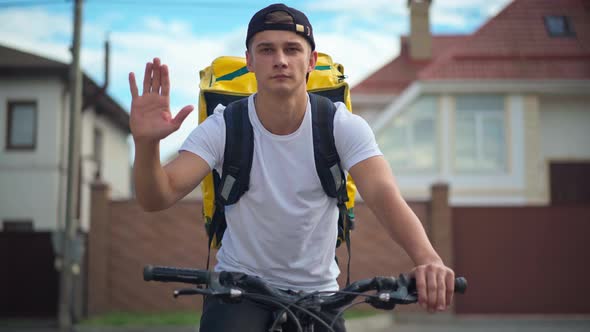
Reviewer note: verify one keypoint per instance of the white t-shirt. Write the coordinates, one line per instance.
(284, 228)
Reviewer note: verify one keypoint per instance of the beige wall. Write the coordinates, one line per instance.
(539, 129)
(30, 186)
(565, 127)
(33, 183)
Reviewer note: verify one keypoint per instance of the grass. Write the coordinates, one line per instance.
(144, 319)
(176, 318)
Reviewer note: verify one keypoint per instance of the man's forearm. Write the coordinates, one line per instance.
(152, 186)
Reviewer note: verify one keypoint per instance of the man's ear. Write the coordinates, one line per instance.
(249, 61)
(313, 60)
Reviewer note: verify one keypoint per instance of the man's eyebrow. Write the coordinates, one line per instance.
(271, 44)
(294, 43)
(264, 44)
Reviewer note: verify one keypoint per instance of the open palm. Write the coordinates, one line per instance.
(151, 119)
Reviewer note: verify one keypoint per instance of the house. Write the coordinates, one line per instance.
(34, 114)
(501, 115)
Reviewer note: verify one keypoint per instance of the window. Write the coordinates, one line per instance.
(22, 126)
(480, 135)
(410, 143)
(559, 26)
(17, 226)
(97, 151)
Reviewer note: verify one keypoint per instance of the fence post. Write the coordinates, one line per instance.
(441, 232)
(98, 249)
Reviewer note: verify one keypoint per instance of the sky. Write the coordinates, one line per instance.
(187, 35)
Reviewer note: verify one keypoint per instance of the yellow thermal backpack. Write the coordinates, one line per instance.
(227, 81)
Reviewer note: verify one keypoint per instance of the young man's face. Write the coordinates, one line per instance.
(280, 60)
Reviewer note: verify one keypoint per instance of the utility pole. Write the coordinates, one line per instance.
(66, 290)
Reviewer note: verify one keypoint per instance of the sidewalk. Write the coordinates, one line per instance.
(378, 323)
(447, 323)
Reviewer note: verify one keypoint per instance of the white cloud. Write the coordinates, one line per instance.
(362, 35)
(360, 7)
(460, 13)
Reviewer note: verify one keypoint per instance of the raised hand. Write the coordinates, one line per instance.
(151, 119)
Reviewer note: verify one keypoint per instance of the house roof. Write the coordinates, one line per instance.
(513, 45)
(399, 73)
(16, 63)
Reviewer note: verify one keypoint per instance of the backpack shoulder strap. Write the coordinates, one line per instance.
(328, 166)
(237, 162)
(327, 161)
(237, 156)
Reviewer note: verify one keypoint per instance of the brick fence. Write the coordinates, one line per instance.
(124, 238)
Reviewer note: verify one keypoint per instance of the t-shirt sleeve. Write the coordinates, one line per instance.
(207, 140)
(354, 138)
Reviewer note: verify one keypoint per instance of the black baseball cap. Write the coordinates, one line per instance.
(301, 24)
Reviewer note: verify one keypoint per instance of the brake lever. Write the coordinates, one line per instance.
(191, 291)
(214, 288)
(402, 294)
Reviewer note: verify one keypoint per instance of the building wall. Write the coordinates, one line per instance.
(506, 187)
(114, 166)
(124, 238)
(34, 182)
(31, 179)
(565, 127)
(539, 129)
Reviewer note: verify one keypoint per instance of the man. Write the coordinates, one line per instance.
(283, 228)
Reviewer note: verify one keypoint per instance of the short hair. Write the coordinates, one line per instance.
(276, 17)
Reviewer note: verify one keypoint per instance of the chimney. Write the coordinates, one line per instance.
(420, 39)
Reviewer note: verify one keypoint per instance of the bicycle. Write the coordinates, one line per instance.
(303, 308)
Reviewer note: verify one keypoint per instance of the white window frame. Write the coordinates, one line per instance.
(480, 117)
(409, 147)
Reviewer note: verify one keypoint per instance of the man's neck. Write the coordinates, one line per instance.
(281, 114)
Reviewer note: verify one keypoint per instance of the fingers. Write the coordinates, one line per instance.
(450, 283)
(156, 76)
(181, 116)
(441, 293)
(133, 85)
(165, 79)
(147, 79)
(421, 287)
(435, 285)
(431, 285)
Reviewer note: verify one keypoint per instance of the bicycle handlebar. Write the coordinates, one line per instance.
(390, 290)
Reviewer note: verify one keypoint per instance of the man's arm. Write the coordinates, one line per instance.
(159, 187)
(376, 184)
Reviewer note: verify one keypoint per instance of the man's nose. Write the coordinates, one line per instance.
(280, 59)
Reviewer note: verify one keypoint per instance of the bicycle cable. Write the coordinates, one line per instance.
(277, 303)
(341, 312)
(286, 305)
(324, 292)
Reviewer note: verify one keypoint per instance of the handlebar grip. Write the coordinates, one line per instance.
(460, 285)
(170, 274)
